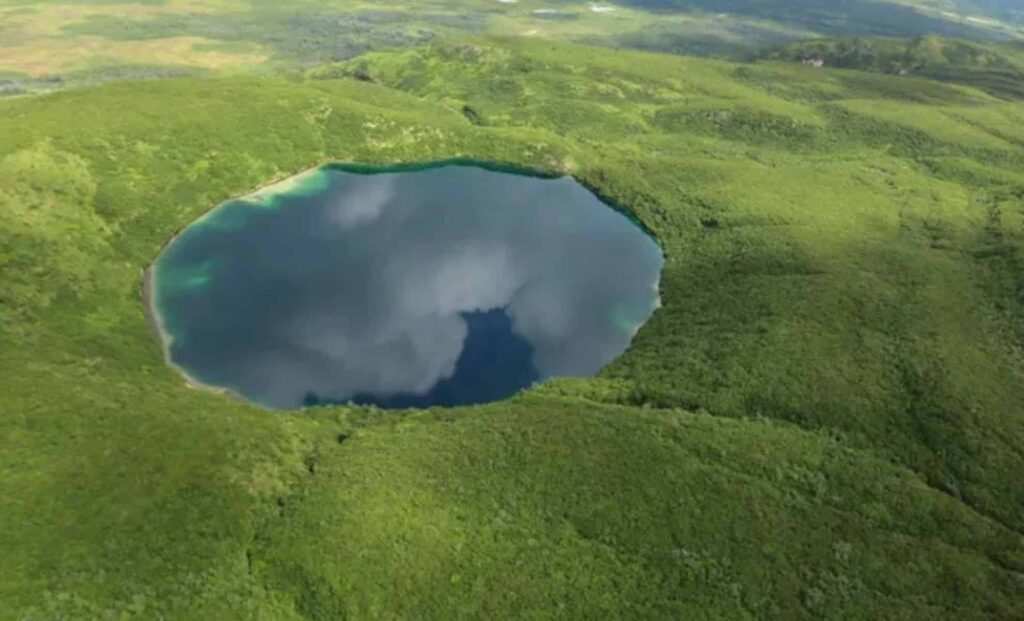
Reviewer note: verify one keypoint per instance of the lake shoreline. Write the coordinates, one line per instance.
(151, 309)
(156, 323)
(262, 197)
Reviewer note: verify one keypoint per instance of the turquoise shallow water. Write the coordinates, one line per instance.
(412, 287)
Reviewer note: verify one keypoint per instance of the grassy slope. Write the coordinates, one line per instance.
(994, 68)
(842, 310)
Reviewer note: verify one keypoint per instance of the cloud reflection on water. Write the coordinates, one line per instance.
(362, 289)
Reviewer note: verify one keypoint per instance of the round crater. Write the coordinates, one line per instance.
(441, 285)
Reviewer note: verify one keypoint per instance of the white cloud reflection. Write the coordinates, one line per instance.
(361, 201)
(371, 302)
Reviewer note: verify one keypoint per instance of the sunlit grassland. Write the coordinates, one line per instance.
(84, 42)
(47, 58)
(33, 41)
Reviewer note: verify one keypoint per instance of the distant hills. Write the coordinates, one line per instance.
(982, 19)
(60, 44)
(997, 69)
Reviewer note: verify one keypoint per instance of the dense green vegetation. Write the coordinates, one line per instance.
(996, 69)
(823, 421)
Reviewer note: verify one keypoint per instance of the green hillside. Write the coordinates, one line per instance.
(824, 420)
(862, 17)
(996, 69)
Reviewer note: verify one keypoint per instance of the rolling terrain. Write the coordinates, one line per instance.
(997, 69)
(52, 44)
(824, 420)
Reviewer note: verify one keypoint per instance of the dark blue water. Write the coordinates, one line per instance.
(447, 285)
